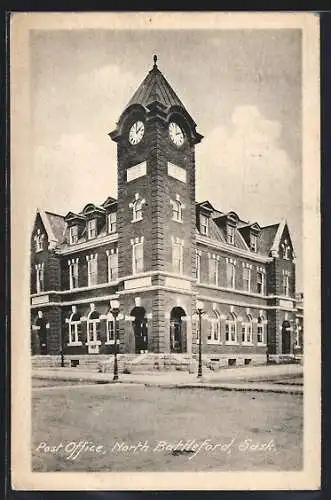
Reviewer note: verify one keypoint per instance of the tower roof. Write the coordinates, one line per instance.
(155, 88)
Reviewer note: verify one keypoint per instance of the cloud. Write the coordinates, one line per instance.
(242, 167)
(73, 171)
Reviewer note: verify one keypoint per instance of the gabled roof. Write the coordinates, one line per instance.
(57, 224)
(155, 88)
(109, 201)
(54, 225)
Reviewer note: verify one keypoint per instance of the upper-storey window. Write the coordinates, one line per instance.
(286, 283)
(231, 274)
(91, 229)
(286, 250)
(198, 265)
(260, 282)
(204, 226)
(92, 269)
(112, 257)
(247, 279)
(177, 255)
(73, 234)
(213, 270)
(137, 256)
(39, 241)
(73, 273)
(253, 241)
(40, 277)
(137, 208)
(177, 211)
(112, 222)
(230, 234)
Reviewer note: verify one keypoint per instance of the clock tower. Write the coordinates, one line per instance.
(156, 220)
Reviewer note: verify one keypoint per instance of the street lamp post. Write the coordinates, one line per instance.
(115, 307)
(199, 308)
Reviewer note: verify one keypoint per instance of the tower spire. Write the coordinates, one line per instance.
(155, 59)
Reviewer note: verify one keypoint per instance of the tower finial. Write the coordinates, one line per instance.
(155, 59)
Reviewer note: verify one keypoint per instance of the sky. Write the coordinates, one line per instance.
(242, 87)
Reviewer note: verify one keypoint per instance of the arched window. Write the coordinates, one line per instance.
(112, 327)
(177, 210)
(231, 329)
(261, 330)
(93, 327)
(247, 330)
(137, 210)
(74, 329)
(214, 330)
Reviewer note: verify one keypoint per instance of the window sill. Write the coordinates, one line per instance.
(261, 344)
(247, 343)
(112, 342)
(136, 220)
(97, 342)
(176, 220)
(228, 342)
(214, 342)
(74, 344)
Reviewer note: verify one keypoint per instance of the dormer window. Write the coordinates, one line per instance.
(230, 234)
(39, 241)
(73, 234)
(91, 229)
(112, 222)
(286, 250)
(253, 242)
(204, 225)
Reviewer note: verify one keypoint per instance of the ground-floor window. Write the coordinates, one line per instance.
(261, 330)
(231, 329)
(93, 327)
(112, 326)
(246, 330)
(74, 329)
(214, 328)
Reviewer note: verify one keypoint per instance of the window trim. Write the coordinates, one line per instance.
(180, 246)
(89, 222)
(73, 241)
(247, 326)
(228, 324)
(76, 324)
(214, 326)
(111, 223)
(232, 286)
(135, 245)
(206, 226)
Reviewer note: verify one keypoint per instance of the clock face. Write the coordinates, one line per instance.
(136, 132)
(176, 134)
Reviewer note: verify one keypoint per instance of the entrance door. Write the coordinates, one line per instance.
(176, 335)
(42, 332)
(177, 329)
(140, 330)
(286, 338)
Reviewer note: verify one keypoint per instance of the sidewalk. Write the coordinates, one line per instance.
(258, 378)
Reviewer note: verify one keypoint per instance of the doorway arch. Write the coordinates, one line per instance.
(177, 329)
(286, 337)
(140, 329)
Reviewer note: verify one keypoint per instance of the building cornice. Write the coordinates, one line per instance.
(232, 249)
(86, 245)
